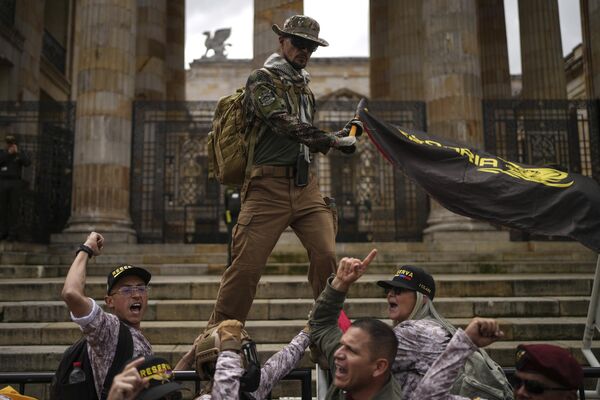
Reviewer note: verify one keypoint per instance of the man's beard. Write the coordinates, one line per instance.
(296, 66)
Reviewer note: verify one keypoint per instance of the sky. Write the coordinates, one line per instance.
(347, 38)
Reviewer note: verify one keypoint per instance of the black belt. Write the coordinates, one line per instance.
(274, 171)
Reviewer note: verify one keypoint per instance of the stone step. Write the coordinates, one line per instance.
(288, 286)
(458, 251)
(462, 246)
(46, 357)
(284, 309)
(180, 332)
(98, 268)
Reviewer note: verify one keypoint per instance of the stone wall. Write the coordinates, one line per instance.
(210, 80)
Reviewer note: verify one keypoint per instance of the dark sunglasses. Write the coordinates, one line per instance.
(396, 290)
(533, 387)
(303, 44)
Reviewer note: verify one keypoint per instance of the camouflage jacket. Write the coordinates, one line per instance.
(101, 331)
(434, 384)
(282, 114)
(226, 382)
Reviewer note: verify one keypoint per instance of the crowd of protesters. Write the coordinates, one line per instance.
(421, 357)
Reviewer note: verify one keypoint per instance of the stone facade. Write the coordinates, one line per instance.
(104, 55)
(541, 49)
(210, 80)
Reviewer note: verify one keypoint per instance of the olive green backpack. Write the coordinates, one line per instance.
(233, 137)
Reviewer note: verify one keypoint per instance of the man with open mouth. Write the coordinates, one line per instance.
(127, 299)
(363, 358)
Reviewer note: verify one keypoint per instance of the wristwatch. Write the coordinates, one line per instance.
(85, 249)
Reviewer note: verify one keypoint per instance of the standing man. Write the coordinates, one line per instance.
(12, 160)
(281, 190)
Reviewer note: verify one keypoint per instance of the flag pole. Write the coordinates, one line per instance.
(591, 324)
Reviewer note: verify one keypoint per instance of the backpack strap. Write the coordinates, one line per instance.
(253, 134)
(123, 353)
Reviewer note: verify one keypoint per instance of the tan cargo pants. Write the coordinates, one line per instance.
(272, 203)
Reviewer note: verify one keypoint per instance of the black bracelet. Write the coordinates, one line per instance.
(85, 249)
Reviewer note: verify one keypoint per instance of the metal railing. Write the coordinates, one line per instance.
(24, 378)
(304, 375)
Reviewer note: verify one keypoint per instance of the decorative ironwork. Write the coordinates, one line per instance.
(46, 131)
(374, 200)
(54, 52)
(562, 134)
(172, 199)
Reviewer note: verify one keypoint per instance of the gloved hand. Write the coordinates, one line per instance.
(354, 122)
(346, 144)
(230, 334)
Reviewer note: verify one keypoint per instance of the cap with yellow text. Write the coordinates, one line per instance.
(123, 271)
(161, 379)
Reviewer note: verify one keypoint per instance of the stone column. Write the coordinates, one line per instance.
(267, 13)
(405, 29)
(590, 24)
(105, 90)
(29, 20)
(452, 80)
(495, 72)
(150, 82)
(176, 50)
(542, 60)
(379, 62)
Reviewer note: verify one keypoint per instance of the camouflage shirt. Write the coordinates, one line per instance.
(439, 375)
(284, 124)
(101, 331)
(226, 382)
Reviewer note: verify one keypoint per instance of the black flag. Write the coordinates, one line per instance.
(476, 184)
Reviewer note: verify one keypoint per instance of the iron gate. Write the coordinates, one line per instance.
(564, 134)
(561, 134)
(172, 199)
(45, 130)
(375, 201)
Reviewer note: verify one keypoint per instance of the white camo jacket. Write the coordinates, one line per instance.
(226, 382)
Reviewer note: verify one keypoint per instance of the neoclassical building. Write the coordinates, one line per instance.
(111, 73)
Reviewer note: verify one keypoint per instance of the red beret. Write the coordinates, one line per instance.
(553, 362)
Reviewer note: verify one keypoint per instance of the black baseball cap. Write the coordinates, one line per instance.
(161, 377)
(126, 270)
(413, 278)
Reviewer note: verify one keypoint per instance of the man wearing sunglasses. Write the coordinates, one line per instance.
(126, 297)
(546, 372)
(282, 190)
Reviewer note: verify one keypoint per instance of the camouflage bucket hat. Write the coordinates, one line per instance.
(301, 26)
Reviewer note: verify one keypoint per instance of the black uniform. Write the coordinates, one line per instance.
(11, 190)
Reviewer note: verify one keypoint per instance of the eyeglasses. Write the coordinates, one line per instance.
(132, 290)
(303, 44)
(533, 387)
